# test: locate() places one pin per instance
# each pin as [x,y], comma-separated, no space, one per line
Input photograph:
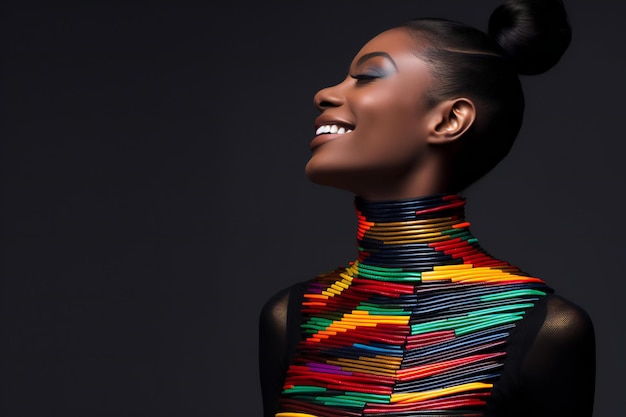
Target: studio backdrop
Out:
[153,196]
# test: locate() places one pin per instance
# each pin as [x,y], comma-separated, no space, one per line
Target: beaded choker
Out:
[417,325]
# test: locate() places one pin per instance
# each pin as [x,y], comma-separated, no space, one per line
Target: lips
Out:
[332,129]
[326,131]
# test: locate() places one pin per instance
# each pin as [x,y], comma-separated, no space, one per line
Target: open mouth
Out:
[329,130]
[332,129]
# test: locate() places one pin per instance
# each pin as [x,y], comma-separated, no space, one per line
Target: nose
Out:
[329,97]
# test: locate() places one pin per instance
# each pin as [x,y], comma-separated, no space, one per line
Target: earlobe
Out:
[453,119]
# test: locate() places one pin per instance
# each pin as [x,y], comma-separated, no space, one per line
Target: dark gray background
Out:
[153,193]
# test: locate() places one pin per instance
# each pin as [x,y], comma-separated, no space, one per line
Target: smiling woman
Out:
[383,104]
[425,321]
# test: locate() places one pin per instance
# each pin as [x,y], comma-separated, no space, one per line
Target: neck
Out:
[399,240]
[375,347]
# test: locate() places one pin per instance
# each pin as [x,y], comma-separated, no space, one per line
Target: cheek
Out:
[394,106]
[391,126]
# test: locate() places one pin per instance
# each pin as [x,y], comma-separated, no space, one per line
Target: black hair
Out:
[524,37]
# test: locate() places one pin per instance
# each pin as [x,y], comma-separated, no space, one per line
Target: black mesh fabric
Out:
[550,365]
[279,333]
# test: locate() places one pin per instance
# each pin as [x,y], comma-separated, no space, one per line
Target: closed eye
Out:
[363,78]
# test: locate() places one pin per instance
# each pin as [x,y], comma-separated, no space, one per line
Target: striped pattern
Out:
[417,324]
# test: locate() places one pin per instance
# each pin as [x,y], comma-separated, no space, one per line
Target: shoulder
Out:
[560,361]
[555,321]
[275,309]
[564,344]
[566,322]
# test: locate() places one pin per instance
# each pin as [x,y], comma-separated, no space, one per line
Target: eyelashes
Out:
[365,77]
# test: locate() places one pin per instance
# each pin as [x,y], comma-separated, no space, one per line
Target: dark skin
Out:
[399,146]
[377,137]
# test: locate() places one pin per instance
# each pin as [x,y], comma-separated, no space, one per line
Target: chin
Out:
[319,175]
[336,177]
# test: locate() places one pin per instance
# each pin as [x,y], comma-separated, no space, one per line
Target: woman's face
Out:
[373,127]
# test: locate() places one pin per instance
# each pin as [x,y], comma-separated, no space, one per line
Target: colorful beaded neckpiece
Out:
[417,325]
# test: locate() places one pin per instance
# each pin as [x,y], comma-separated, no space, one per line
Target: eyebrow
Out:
[375,54]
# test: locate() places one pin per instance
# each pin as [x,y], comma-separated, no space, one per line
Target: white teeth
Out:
[332,129]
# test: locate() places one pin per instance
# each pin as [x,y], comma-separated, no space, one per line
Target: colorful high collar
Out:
[418,323]
[416,235]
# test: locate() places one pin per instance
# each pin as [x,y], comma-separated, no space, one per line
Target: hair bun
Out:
[534,34]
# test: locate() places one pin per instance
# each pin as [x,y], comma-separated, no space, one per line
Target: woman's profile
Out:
[424,321]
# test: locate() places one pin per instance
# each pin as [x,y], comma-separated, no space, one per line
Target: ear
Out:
[452,119]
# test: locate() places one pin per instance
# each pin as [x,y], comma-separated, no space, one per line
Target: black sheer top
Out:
[549,370]
[424,323]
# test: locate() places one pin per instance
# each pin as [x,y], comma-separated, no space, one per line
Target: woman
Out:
[425,322]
